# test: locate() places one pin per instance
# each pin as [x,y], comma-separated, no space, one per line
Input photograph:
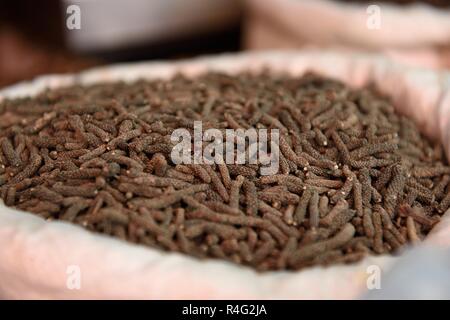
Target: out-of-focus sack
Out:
[416,34]
[39,259]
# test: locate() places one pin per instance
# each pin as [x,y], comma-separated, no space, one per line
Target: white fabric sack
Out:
[417,34]
[38,259]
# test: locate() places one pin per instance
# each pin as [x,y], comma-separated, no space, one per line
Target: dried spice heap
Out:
[355,177]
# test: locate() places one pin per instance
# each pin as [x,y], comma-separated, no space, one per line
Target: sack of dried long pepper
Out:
[110,215]
[414,32]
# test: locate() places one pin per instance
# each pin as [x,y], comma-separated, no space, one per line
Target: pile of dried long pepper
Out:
[355,177]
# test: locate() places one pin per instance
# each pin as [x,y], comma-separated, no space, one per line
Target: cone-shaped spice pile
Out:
[355,178]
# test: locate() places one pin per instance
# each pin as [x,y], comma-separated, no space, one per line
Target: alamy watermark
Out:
[373,281]
[73,280]
[73,20]
[373,21]
[229,146]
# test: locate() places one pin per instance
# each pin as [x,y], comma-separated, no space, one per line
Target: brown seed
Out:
[378,236]
[100,156]
[235,190]
[314,210]
[251,197]
[309,251]
[412,232]
[417,215]
[169,199]
[10,153]
[338,208]
[369,228]
[323,206]
[300,211]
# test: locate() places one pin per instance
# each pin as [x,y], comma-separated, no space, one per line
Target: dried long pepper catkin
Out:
[355,178]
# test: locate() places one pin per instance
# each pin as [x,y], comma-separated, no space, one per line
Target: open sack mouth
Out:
[354,177]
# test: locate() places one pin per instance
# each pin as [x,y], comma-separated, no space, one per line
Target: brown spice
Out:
[355,178]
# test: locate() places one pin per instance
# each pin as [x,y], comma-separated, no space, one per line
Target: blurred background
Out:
[50,36]
[35,38]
